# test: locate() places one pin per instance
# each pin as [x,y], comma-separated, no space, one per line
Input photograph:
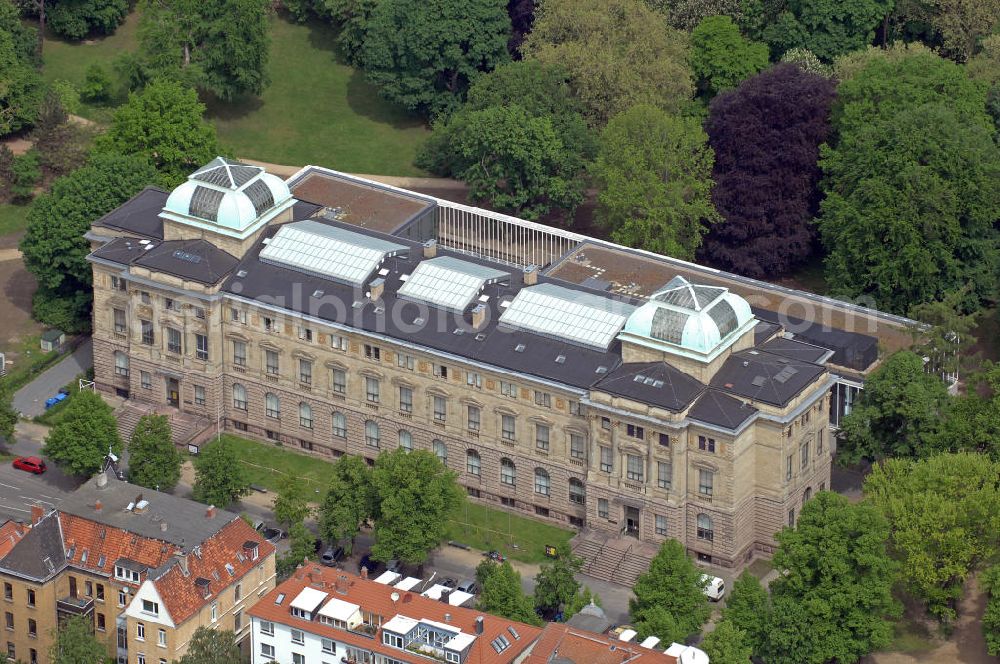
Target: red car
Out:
[30,464]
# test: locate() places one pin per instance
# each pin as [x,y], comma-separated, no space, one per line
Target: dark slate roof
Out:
[655,383]
[187,522]
[121,250]
[850,349]
[139,215]
[41,553]
[764,330]
[721,410]
[765,377]
[195,260]
[796,349]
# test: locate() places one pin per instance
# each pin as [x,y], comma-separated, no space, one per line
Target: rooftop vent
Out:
[480,337]
[519,348]
[241,273]
[317,293]
[560,359]
[601,370]
[758,381]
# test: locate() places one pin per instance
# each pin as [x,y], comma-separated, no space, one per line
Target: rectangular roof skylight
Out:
[448,282]
[327,251]
[567,314]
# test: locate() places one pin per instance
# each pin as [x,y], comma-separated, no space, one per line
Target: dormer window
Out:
[126,574]
[301,613]
[394,640]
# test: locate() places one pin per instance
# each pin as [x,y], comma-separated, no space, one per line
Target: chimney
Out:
[364,572]
[478,316]
[530,275]
[102,480]
[210,512]
[37,512]
[479,625]
[447,617]
[341,585]
[445,594]
[98,506]
[163,526]
[183,560]
[430,249]
[376,288]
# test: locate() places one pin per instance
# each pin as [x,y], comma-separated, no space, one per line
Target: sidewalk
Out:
[30,399]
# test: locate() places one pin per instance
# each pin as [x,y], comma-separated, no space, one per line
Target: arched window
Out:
[405,440]
[577,491]
[472,462]
[339,425]
[272,405]
[121,363]
[371,433]
[441,450]
[541,482]
[705,531]
[807,494]
[239,397]
[508,473]
[305,415]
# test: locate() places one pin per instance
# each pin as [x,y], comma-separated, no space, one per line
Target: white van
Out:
[715,588]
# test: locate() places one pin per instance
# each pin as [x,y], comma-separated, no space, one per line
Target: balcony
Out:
[74,606]
[271,378]
[633,487]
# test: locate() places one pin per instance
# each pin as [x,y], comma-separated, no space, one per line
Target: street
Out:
[30,399]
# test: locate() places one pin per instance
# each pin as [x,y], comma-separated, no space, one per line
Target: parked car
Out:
[468,586]
[447,582]
[272,535]
[715,588]
[332,556]
[30,464]
[374,567]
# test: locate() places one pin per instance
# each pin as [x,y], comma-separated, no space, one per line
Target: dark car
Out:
[374,567]
[332,556]
[468,586]
[272,535]
[447,582]
[30,464]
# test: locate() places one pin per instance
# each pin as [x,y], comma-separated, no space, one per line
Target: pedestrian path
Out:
[30,399]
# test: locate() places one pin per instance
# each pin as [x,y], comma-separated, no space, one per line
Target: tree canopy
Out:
[556,586]
[81,440]
[350,500]
[416,493]
[424,54]
[8,416]
[154,462]
[727,644]
[221,46]
[828,28]
[501,592]
[53,246]
[76,19]
[990,581]
[212,646]
[220,478]
[721,57]
[766,136]
[300,547]
[616,53]
[21,88]
[747,609]
[75,643]
[291,502]
[654,170]
[669,602]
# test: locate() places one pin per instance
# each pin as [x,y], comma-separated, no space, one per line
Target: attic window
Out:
[418,321]
[458,331]
[601,370]
[280,598]
[241,273]
[639,378]
[317,293]
[126,574]
[519,348]
[480,337]
[513,632]
[560,359]
[657,383]
[230,569]
[204,586]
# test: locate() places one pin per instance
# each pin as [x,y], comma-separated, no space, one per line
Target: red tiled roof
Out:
[11,533]
[566,643]
[179,592]
[92,543]
[377,598]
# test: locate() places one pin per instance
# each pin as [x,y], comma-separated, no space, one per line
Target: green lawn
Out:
[13,218]
[517,537]
[267,464]
[30,362]
[317,109]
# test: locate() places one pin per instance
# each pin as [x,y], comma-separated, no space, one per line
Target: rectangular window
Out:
[819,443]
[147,332]
[602,508]
[119,320]
[140,632]
[8,591]
[706,481]
[9,618]
[267,628]
[371,389]
[306,334]
[305,371]
[101,625]
[473,379]
[507,431]
[140,659]
[607,465]
[239,353]
[271,361]
[664,474]
[661,524]
[173,340]
[31,597]
[635,431]
[542,437]
[169,304]
[199,395]
[575,408]
[606,423]
[577,446]
[298,636]
[706,444]
[150,607]
[237,621]
[100,592]
[404,361]
[804,454]
[237,315]
[268,324]
[791,518]
[788,468]
[298,658]
[201,346]
[474,418]
[508,389]
[339,384]
[267,651]
[144,297]
[634,467]
[441,371]
[543,399]
[338,342]
[117,283]
[373,352]
[329,647]
[507,473]
[665,439]
[199,313]
[405,399]
[440,409]
[161,638]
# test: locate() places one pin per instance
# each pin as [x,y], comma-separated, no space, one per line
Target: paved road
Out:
[30,399]
[20,490]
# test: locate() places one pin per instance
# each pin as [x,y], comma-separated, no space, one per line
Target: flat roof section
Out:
[361,204]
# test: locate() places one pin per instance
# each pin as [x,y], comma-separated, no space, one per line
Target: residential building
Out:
[619,392]
[145,567]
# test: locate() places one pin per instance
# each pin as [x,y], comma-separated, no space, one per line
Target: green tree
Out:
[835,564]
[617,53]
[27,173]
[96,84]
[655,175]
[721,57]
[81,440]
[416,495]
[350,500]
[24,37]
[164,123]
[423,54]
[556,586]
[972,422]
[946,329]
[747,608]
[212,646]
[727,644]
[221,46]
[291,504]
[76,19]
[828,28]
[301,543]
[53,246]
[898,414]
[351,17]
[154,462]
[669,602]
[74,643]
[990,582]
[807,61]
[944,512]
[8,416]
[220,478]
[502,595]
[21,89]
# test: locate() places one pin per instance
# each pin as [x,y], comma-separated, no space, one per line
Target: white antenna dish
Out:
[394,597]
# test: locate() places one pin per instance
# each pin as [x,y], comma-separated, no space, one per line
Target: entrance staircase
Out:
[185,428]
[614,559]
